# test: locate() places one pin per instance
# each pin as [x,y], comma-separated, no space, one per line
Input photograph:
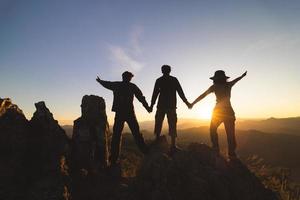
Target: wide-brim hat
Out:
[219,74]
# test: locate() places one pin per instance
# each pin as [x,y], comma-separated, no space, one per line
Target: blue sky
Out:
[53,51]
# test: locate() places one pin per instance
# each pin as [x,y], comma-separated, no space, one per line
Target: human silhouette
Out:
[124,92]
[223,111]
[166,88]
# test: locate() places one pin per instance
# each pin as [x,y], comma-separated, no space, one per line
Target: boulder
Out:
[197,173]
[50,143]
[33,154]
[90,136]
[14,141]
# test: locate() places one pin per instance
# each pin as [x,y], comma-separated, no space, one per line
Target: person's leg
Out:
[116,138]
[135,130]
[172,121]
[214,124]
[159,118]
[230,131]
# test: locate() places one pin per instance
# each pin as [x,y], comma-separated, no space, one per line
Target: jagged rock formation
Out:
[197,173]
[14,140]
[90,136]
[50,149]
[6,105]
[51,142]
[33,154]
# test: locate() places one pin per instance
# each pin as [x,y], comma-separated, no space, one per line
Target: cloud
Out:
[135,37]
[126,58]
[120,57]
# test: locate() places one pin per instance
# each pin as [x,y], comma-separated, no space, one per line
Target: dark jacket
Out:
[166,87]
[124,93]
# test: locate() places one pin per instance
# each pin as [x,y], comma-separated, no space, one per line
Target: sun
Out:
[204,111]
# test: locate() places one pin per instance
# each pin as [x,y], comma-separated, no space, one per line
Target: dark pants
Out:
[131,120]
[172,121]
[229,123]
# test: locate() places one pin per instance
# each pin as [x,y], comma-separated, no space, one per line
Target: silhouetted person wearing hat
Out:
[166,88]
[124,93]
[223,112]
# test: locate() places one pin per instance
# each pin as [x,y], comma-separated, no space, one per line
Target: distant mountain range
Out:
[272,125]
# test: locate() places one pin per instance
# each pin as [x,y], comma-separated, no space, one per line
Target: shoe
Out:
[174,149]
[216,150]
[115,170]
[232,156]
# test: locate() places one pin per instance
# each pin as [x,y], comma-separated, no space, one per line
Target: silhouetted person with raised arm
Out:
[223,111]
[166,88]
[124,92]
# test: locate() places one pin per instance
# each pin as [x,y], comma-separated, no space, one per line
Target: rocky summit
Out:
[36,156]
[33,154]
[196,173]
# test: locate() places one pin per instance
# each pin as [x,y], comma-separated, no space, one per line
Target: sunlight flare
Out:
[205,111]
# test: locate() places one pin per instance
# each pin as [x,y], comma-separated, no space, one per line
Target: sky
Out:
[52,51]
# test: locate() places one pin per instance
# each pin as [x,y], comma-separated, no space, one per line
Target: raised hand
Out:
[98,79]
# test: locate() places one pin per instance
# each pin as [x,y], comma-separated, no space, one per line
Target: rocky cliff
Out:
[34,154]
[196,173]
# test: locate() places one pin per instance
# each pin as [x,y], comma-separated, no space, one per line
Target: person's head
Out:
[166,69]
[219,77]
[127,76]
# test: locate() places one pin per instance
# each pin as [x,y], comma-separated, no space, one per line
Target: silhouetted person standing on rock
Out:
[166,88]
[223,111]
[124,93]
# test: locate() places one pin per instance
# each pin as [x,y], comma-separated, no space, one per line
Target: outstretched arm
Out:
[107,84]
[154,94]
[139,95]
[181,94]
[238,78]
[208,91]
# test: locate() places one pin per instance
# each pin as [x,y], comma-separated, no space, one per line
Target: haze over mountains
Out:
[271,125]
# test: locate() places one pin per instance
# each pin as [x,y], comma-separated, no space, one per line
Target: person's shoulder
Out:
[133,85]
[173,78]
[160,78]
[230,83]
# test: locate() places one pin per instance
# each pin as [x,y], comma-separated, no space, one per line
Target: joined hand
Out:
[149,109]
[189,105]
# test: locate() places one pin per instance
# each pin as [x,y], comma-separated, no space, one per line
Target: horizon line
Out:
[70,122]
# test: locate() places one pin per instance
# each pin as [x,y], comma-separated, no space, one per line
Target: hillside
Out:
[273,125]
